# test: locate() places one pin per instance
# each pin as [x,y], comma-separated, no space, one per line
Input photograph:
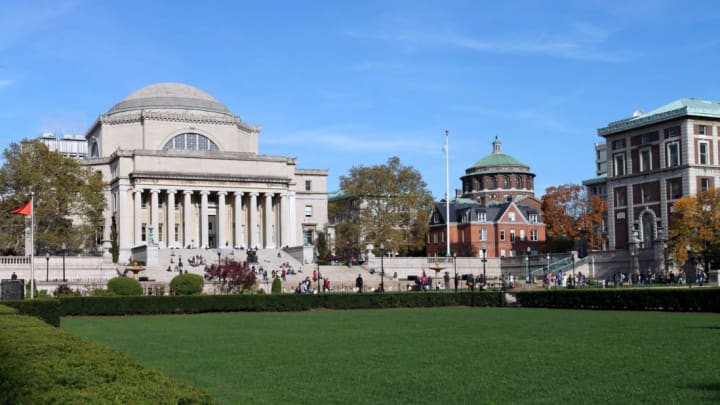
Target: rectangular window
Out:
[533,235]
[143,231]
[502,234]
[177,231]
[672,132]
[308,185]
[645,161]
[703,148]
[703,130]
[620,198]
[522,234]
[674,188]
[143,201]
[673,154]
[435,237]
[619,160]
[502,253]
[462,237]
[618,144]
[704,184]
[307,237]
[511,215]
[482,217]
[308,211]
[533,218]
[160,232]
[483,234]
[512,236]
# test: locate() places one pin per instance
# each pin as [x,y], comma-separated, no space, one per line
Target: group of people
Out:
[306,286]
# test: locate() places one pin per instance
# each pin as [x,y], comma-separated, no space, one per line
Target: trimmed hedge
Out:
[47,309]
[124,286]
[286,302]
[44,365]
[640,299]
[187,284]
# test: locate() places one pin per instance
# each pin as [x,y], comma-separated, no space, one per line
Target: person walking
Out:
[359,283]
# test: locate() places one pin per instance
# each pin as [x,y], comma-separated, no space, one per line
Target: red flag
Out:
[24,210]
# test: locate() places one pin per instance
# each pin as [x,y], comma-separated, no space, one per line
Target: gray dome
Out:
[170,96]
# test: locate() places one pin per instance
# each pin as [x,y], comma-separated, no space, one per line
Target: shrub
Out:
[277,286]
[125,286]
[64,290]
[47,309]
[43,365]
[187,284]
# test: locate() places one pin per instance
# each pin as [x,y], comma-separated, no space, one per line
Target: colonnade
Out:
[262,219]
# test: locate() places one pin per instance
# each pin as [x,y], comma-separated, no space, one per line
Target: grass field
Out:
[446,355]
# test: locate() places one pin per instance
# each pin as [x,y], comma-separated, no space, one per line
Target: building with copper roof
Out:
[496,210]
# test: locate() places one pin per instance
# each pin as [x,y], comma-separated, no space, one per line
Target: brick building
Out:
[496,210]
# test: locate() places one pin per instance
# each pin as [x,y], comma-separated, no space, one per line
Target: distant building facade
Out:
[654,159]
[496,210]
[72,146]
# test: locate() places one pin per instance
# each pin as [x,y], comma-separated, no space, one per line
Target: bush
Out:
[146,305]
[187,284]
[47,309]
[64,290]
[663,299]
[125,286]
[43,365]
[277,286]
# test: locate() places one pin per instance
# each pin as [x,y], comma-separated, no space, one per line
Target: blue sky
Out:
[339,84]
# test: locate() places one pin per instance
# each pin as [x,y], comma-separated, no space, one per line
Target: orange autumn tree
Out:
[570,214]
[695,223]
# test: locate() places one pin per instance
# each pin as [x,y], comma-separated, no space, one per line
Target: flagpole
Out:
[32,245]
[447,194]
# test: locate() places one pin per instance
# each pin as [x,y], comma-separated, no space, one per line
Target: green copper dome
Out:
[497,158]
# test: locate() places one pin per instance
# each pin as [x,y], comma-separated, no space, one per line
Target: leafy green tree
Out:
[69,199]
[387,204]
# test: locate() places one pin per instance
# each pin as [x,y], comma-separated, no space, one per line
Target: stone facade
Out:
[183,171]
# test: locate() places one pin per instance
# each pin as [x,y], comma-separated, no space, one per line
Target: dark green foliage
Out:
[43,365]
[114,245]
[124,286]
[276,286]
[664,299]
[284,302]
[65,290]
[5,310]
[47,309]
[187,284]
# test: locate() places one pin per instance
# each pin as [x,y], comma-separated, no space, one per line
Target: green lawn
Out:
[445,355]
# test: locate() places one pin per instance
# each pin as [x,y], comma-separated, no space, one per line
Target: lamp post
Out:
[527,264]
[548,262]
[47,266]
[484,260]
[218,257]
[455,268]
[382,268]
[689,273]
[572,258]
[64,252]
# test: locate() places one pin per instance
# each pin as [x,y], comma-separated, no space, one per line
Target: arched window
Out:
[94,150]
[506,182]
[519,182]
[190,141]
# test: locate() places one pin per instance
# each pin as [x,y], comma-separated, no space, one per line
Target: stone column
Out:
[221,238]
[204,218]
[171,241]
[252,225]
[293,220]
[284,221]
[124,221]
[154,217]
[238,229]
[187,237]
[269,243]
[138,215]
